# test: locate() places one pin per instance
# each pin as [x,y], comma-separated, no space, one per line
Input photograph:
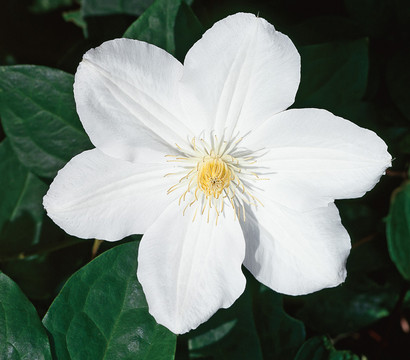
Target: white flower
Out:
[203,159]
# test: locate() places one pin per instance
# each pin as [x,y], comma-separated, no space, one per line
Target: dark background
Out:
[30,36]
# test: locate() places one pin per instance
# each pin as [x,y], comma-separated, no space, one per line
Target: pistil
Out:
[213,176]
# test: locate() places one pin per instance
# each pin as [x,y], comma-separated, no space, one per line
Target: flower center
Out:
[213,176]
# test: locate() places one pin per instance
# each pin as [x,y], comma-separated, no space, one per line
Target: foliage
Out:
[101,313]
[21,333]
[355,60]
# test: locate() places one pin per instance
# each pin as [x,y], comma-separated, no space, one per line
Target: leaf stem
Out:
[395,173]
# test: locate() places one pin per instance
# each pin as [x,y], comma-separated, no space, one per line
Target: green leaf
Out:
[398,229]
[188,30]
[22,335]
[168,24]
[39,117]
[362,304]
[280,335]
[369,294]
[320,348]
[101,313]
[27,235]
[404,144]
[333,74]
[111,7]
[21,211]
[358,218]
[40,6]
[76,17]
[229,334]
[156,25]
[398,82]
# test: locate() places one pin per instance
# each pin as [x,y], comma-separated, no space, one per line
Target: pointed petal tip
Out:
[179,325]
[338,279]
[299,252]
[240,73]
[324,155]
[126,96]
[192,272]
[173,324]
[96,196]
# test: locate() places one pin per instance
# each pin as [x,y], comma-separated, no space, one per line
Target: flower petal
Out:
[96,196]
[239,74]
[189,269]
[127,99]
[296,253]
[317,157]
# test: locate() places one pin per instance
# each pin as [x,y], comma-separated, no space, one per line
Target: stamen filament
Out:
[212,175]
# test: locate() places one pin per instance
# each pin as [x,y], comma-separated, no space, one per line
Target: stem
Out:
[394,173]
[364,240]
[95,248]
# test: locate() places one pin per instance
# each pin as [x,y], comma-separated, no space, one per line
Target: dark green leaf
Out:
[370,293]
[398,82]
[404,144]
[168,24]
[156,25]
[27,236]
[358,218]
[22,335]
[398,229]
[320,348]
[21,210]
[49,5]
[229,334]
[362,303]
[76,17]
[101,313]
[39,117]
[333,74]
[280,335]
[314,349]
[111,7]
[188,30]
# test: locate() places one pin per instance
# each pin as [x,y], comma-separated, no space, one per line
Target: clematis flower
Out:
[204,160]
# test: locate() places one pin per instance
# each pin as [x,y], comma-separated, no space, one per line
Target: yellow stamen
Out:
[213,177]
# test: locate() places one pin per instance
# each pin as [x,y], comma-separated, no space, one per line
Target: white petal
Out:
[126,96]
[96,196]
[296,253]
[315,157]
[240,73]
[189,269]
